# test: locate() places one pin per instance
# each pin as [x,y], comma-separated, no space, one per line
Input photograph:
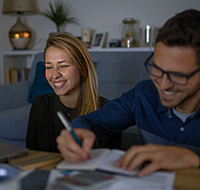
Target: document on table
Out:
[104,159]
[154,181]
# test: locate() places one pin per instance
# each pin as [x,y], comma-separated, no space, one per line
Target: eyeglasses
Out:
[175,77]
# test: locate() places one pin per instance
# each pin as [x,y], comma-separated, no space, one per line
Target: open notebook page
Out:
[102,159]
[107,164]
[97,156]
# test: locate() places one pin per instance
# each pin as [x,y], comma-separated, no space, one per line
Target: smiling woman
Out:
[71,73]
[63,76]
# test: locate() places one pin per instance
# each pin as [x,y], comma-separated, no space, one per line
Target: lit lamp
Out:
[19,35]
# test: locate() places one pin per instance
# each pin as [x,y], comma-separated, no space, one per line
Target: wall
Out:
[100,15]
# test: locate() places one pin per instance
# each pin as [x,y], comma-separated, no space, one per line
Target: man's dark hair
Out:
[182,30]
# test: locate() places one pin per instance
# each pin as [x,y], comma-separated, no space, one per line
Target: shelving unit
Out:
[19,59]
[23,58]
[133,49]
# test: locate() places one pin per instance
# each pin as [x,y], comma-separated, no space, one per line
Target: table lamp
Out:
[19,34]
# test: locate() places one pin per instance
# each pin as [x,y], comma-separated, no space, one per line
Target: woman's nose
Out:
[56,73]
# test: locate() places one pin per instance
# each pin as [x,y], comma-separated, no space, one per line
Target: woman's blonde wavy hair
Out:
[78,53]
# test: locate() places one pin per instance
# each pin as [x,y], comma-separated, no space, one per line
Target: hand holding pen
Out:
[68,126]
[67,148]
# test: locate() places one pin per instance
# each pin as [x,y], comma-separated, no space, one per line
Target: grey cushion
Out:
[38,57]
[118,72]
[14,123]
[14,95]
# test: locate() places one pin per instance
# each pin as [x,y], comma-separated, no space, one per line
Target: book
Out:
[13,75]
[24,74]
[17,75]
[36,160]
[102,159]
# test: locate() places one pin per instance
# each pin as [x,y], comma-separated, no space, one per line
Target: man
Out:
[165,108]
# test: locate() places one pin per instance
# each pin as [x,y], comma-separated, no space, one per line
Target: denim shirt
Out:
[156,123]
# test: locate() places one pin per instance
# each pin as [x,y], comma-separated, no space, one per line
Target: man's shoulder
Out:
[142,87]
[144,90]
[145,85]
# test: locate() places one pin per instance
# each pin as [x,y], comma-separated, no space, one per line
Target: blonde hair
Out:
[76,50]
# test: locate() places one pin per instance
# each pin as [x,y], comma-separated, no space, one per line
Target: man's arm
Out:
[114,116]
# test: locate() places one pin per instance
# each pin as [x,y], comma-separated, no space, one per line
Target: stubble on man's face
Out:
[182,60]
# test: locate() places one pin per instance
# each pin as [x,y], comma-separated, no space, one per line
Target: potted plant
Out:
[59,13]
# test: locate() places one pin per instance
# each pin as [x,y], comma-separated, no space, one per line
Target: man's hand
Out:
[160,157]
[70,150]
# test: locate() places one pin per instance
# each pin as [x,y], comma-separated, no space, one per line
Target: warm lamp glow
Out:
[26,35]
[16,35]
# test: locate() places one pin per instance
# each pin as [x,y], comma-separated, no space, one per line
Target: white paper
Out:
[154,181]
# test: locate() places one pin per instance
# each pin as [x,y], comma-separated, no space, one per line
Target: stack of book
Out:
[17,75]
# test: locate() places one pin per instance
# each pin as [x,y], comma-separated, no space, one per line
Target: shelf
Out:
[21,52]
[16,58]
[133,49]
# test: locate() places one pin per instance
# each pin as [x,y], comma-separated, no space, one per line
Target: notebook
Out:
[11,151]
[101,159]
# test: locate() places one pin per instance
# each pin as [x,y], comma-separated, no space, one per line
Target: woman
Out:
[71,73]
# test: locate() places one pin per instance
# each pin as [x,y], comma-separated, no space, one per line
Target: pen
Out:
[68,126]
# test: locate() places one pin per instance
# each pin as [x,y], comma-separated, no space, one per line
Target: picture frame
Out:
[98,40]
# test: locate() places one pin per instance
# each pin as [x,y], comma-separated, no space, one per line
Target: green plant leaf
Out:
[59,14]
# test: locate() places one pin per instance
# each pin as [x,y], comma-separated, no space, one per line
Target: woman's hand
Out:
[69,148]
[159,156]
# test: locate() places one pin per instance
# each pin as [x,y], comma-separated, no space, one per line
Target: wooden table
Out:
[186,179]
[36,159]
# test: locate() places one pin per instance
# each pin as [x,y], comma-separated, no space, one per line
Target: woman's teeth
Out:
[58,84]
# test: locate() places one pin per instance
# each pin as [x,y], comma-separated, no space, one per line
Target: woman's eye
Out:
[63,66]
[49,67]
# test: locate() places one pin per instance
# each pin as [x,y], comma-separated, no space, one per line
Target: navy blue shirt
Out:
[156,123]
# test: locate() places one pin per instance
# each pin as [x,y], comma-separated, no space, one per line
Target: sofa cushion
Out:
[119,72]
[40,84]
[14,95]
[14,124]
[38,57]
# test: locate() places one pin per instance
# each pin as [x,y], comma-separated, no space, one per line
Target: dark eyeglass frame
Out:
[146,63]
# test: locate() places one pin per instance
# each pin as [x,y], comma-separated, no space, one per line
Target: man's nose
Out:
[165,82]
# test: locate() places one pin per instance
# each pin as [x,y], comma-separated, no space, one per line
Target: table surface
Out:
[186,179]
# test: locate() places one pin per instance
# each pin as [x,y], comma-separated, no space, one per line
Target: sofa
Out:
[118,71]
